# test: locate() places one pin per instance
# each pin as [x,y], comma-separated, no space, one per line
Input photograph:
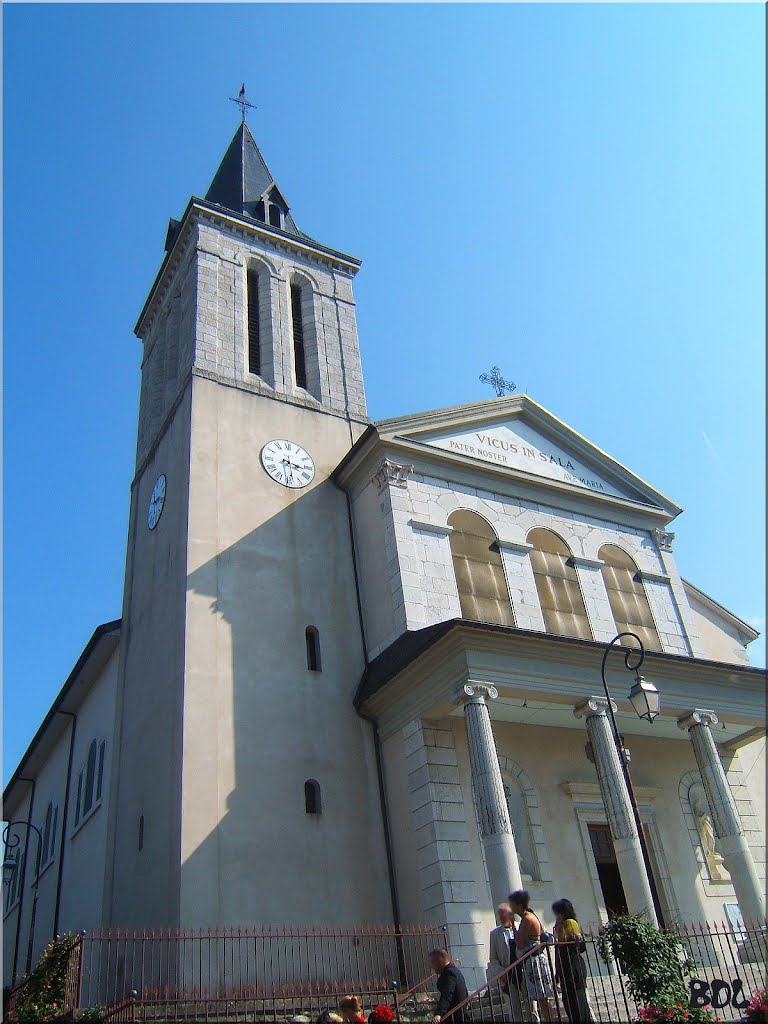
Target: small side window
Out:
[312,799]
[313,649]
[141,832]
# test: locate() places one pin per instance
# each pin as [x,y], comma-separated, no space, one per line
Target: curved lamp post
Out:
[646,700]
[11,864]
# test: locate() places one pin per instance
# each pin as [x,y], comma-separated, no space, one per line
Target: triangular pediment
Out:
[517,436]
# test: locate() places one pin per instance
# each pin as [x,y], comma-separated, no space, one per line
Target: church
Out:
[357,676]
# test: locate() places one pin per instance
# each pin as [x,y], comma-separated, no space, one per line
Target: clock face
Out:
[156,502]
[288,463]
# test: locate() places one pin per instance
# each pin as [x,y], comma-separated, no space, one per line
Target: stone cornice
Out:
[587,563]
[515,546]
[428,527]
[653,577]
[589,792]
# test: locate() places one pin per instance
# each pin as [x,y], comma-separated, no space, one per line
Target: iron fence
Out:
[257,966]
[277,974]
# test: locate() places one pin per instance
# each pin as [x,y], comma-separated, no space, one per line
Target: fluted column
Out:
[618,807]
[488,789]
[726,822]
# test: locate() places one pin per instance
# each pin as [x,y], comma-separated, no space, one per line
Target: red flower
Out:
[381,1014]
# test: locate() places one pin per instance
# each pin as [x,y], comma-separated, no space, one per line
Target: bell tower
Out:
[243,638]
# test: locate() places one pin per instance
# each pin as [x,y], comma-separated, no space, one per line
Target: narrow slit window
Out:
[312,800]
[54,828]
[254,327]
[275,216]
[79,801]
[100,776]
[299,361]
[141,832]
[90,777]
[313,649]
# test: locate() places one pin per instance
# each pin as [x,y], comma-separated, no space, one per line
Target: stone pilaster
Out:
[618,807]
[448,886]
[726,822]
[488,789]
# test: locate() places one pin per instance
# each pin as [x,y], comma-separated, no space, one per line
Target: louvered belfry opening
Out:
[299,361]
[483,593]
[254,327]
[558,586]
[626,593]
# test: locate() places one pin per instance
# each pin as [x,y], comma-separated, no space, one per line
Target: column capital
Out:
[593,706]
[699,716]
[392,473]
[475,691]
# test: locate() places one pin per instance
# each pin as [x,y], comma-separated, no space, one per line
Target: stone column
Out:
[729,830]
[488,789]
[618,807]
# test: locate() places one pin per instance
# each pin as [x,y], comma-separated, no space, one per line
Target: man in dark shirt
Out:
[450,985]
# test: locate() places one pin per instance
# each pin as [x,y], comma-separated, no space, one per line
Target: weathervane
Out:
[497,382]
[242,102]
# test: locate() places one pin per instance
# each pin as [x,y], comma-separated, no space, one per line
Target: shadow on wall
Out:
[260,722]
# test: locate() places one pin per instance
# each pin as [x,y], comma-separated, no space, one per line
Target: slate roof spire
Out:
[244,185]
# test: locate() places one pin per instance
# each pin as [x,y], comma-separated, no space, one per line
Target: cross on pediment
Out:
[501,386]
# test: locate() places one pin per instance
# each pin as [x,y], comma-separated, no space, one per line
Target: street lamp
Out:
[646,701]
[11,863]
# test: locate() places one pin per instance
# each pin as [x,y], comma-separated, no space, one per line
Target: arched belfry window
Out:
[254,325]
[558,586]
[313,649]
[626,593]
[297,319]
[312,799]
[483,593]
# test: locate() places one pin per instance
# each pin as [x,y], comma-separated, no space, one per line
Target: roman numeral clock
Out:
[288,463]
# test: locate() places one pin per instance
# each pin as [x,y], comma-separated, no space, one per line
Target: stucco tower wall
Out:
[266,562]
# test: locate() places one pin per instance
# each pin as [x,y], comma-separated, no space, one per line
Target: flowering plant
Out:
[757,1011]
[42,995]
[381,1014]
[679,1013]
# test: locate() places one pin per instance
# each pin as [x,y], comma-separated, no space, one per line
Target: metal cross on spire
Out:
[497,382]
[242,102]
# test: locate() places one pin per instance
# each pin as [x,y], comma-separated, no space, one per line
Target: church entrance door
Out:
[607,870]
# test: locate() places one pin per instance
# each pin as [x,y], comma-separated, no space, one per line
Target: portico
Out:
[453,853]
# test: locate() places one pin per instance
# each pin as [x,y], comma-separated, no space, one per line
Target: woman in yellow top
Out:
[571,971]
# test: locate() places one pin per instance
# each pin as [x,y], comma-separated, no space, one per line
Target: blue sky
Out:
[573,192]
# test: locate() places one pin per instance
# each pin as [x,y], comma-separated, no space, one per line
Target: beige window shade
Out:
[483,592]
[558,586]
[629,604]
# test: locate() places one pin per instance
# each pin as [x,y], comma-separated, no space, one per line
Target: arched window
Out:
[297,317]
[44,856]
[13,889]
[90,777]
[558,586]
[483,593]
[312,799]
[79,801]
[254,327]
[626,593]
[313,649]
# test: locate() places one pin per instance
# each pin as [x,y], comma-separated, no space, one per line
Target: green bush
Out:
[655,965]
[42,996]
[653,961]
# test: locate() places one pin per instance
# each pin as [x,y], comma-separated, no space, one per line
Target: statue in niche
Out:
[698,801]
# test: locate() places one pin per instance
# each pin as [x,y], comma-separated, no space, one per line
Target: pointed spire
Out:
[244,184]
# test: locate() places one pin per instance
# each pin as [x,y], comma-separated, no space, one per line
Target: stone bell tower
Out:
[241,758]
